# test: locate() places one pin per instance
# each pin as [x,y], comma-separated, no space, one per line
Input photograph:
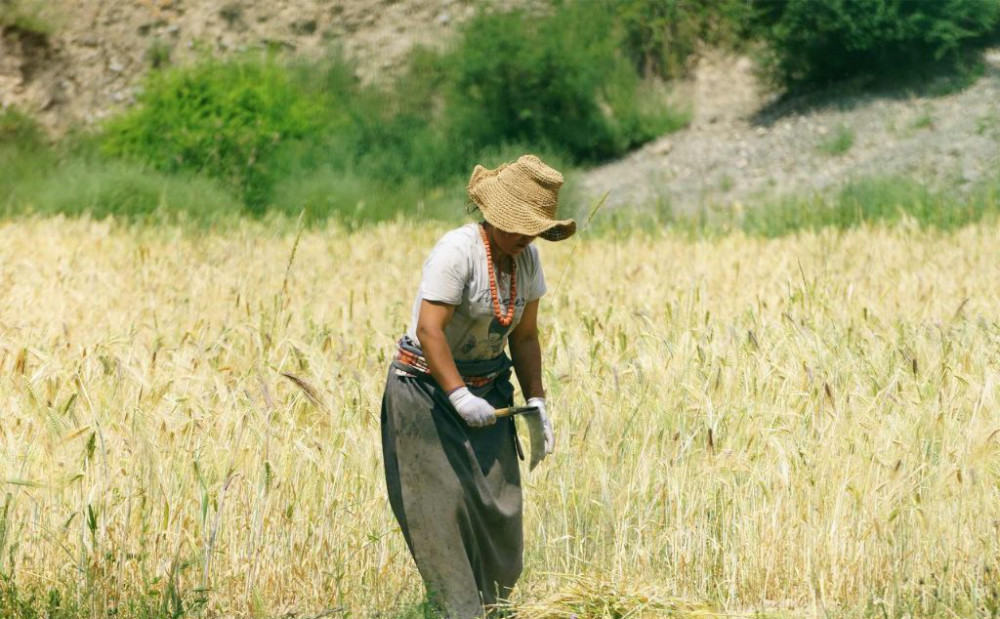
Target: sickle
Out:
[515,410]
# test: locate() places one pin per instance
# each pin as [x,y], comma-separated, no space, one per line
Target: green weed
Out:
[924,121]
[660,36]
[839,143]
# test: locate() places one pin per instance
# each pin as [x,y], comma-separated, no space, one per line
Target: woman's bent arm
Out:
[433,318]
[526,353]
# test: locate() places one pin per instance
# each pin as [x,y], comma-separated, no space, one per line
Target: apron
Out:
[455,490]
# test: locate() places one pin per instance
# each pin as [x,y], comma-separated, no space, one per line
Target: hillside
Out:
[91,64]
[744,143]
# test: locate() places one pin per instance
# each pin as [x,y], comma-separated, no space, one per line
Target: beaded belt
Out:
[419,363]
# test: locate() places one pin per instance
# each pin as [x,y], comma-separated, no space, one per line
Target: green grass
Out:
[839,143]
[924,121]
[125,190]
[860,202]
[988,124]
[872,200]
[160,601]
[38,179]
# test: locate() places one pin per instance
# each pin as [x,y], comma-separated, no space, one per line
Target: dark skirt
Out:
[455,491]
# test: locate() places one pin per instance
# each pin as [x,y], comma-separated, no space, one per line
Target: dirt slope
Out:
[739,145]
[90,66]
[742,144]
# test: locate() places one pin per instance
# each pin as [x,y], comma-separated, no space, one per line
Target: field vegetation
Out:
[579,82]
[874,41]
[783,408]
[277,134]
[794,425]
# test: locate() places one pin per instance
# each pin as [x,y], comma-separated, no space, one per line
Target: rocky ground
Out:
[91,64]
[742,142]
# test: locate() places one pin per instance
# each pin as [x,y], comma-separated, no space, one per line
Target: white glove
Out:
[476,411]
[543,441]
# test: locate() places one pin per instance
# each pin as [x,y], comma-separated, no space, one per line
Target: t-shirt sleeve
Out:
[445,273]
[536,286]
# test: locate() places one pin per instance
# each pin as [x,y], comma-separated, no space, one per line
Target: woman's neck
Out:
[501,261]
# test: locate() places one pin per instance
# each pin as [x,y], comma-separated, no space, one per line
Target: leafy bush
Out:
[819,42]
[555,80]
[280,135]
[36,177]
[659,36]
[222,119]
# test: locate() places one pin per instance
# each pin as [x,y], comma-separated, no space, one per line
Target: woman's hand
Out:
[476,411]
[543,441]
[527,356]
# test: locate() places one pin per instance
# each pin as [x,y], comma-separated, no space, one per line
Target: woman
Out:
[450,464]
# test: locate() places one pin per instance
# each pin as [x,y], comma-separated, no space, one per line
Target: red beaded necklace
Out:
[504,320]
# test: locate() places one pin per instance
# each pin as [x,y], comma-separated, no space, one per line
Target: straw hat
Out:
[521,197]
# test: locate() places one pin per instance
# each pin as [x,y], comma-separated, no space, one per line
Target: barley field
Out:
[800,426]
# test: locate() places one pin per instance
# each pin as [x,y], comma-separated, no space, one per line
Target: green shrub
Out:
[553,80]
[158,53]
[221,119]
[819,42]
[308,135]
[354,199]
[254,123]
[659,36]
[400,142]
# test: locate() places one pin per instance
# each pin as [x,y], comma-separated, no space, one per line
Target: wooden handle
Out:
[514,410]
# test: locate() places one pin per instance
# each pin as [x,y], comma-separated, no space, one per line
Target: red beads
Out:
[504,320]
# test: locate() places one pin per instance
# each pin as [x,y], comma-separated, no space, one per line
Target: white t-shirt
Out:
[456,273]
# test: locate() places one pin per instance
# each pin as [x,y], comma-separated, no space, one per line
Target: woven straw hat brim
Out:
[521,197]
[529,224]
